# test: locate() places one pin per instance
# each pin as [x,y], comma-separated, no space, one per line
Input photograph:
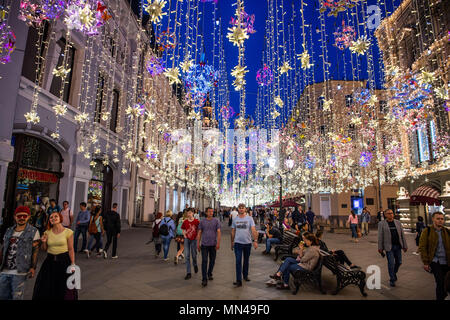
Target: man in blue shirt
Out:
[53,208]
[310,219]
[82,224]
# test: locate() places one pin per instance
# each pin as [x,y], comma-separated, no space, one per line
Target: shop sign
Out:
[37,176]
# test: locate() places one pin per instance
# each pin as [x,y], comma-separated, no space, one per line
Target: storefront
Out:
[33,175]
[100,186]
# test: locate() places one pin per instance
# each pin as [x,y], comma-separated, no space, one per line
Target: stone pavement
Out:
[138,275]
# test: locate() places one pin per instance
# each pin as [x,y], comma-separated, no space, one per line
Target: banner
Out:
[37,176]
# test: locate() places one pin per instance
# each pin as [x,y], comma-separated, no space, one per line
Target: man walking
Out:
[273,236]
[365,219]
[18,257]
[242,230]
[434,248]
[67,215]
[310,219]
[208,241]
[391,238]
[111,223]
[81,227]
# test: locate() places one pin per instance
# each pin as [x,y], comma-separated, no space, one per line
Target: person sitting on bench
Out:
[306,260]
[273,236]
[340,255]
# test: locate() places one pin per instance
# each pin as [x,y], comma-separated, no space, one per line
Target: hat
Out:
[22,209]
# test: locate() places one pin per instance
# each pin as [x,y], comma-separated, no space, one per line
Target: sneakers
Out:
[87,252]
[114,257]
[166,259]
[283,287]
[275,276]
[204,283]
[105,255]
[188,276]
[176,260]
[247,279]
[238,284]
[415,253]
[182,256]
[100,250]
[392,283]
[195,269]
[210,277]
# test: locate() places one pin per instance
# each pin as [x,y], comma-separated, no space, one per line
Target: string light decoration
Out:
[336,6]
[155,66]
[87,16]
[244,21]
[155,9]
[264,76]
[166,40]
[7,42]
[344,36]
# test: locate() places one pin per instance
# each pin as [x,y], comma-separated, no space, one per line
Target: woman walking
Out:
[51,282]
[96,230]
[167,232]
[419,228]
[180,237]
[353,221]
[155,234]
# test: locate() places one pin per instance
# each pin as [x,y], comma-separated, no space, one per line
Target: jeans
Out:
[12,286]
[269,242]
[439,271]
[80,229]
[394,258]
[111,237]
[166,244]
[211,252]
[365,228]
[289,265]
[190,248]
[353,226]
[310,226]
[157,245]
[239,250]
[98,241]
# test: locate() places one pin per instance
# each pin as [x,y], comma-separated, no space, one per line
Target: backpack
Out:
[156,230]
[164,229]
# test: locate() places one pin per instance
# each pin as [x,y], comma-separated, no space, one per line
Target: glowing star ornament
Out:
[60,110]
[82,118]
[237,35]
[87,155]
[372,100]
[32,117]
[124,171]
[55,135]
[441,93]
[275,114]
[240,122]
[173,74]
[149,116]
[94,139]
[356,121]
[135,110]
[278,101]
[105,116]
[87,16]
[327,104]
[61,72]
[194,115]
[155,9]
[427,77]
[285,68]
[305,60]
[186,65]
[80,149]
[360,46]
[238,73]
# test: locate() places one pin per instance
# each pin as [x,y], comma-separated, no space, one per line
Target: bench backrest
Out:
[288,238]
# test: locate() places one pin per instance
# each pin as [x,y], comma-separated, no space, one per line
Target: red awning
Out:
[425,195]
[286,203]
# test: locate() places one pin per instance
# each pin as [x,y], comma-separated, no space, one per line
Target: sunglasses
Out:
[22,216]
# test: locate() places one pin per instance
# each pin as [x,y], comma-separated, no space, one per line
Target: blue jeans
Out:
[166,244]
[190,248]
[80,229]
[289,265]
[269,242]
[12,286]
[211,252]
[394,258]
[353,226]
[240,249]
[98,242]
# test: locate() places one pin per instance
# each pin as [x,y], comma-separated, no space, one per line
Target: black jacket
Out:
[111,222]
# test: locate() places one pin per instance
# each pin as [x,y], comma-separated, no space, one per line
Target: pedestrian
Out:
[167,232]
[233,215]
[196,215]
[180,236]
[380,215]
[420,225]
[155,234]
[273,236]
[190,227]
[353,221]
[51,282]
[365,219]
[18,256]
[302,216]
[208,242]
[310,216]
[67,215]
[287,223]
[96,231]
[434,248]
[391,238]
[112,226]
[81,227]
[151,219]
[306,260]
[53,208]
[92,237]
[261,217]
[40,220]
[242,230]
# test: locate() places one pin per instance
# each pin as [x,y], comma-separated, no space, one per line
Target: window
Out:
[29,61]
[383,106]
[424,151]
[348,100]
[320,103]
[369,202]
[322,129]
[99,97]
[68,62]
[433,136]
[114,110]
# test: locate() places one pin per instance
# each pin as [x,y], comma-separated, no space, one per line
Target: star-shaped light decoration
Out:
[115,152]
[97,150]
[150,116]
[186,65]
[105,162]
[238,73]
[305,60]
[93,163]
[105,116]
[327,104]
[442,93]
[124,171]
[94,139]
[87,16]
[173,74]
[427,77]
[275,114]
[194,115]
[134,111]
[237,35]
[285,67]
[87,155]
[155,10]
[80,149]
[61,71]
[82,118]
[60,110]
[32,117]
[278,101]
[372,100]
[55,135]
[360,46]
[240,122]
[115,159]
[356,121]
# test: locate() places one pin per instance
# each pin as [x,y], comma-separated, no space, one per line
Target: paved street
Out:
[138,275]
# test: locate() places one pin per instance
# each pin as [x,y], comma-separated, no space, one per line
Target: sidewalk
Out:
[138,275]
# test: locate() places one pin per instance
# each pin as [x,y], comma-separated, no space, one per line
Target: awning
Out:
[286,203]
[425,195]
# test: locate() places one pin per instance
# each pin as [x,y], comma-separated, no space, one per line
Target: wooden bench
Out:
[344,275]
[289,241]
[314,277]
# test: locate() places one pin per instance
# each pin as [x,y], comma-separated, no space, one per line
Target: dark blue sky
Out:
[254,46]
